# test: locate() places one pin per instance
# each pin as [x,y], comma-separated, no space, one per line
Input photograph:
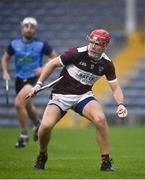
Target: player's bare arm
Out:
[47,70]
[117,92]
[118,96]
[5,60]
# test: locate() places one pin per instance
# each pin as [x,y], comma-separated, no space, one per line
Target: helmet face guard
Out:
[100,36]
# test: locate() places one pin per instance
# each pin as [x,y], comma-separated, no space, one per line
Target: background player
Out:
[28,52]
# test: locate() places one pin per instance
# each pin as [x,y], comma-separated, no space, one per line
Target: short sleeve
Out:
[110,72]
[69,56]
[47,49]
[10,49]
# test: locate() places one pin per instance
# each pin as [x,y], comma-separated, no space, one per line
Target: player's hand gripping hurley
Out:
[44,87]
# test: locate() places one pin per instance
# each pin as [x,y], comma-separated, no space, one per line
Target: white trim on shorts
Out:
[66,102]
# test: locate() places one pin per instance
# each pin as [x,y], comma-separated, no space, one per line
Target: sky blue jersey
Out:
[28,56]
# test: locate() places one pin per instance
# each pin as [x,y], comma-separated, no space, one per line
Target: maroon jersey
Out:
[80,71]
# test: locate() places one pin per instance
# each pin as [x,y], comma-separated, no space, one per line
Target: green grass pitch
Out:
[73,154]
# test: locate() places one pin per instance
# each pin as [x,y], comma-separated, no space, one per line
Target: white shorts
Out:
[76,102]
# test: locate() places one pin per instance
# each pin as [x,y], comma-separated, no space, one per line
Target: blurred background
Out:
[66,23]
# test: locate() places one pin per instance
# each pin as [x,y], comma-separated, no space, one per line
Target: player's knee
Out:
[46,127]
[100,120]
[18,104]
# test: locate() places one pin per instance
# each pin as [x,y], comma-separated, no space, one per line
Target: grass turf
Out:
[73,154]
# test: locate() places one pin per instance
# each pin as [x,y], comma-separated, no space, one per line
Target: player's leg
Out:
[51,116]
[92,110]
[22,115]
[31,108]
[32,111]
[33,114]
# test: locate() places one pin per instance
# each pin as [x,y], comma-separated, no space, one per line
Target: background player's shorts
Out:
[20,83]
[76,102]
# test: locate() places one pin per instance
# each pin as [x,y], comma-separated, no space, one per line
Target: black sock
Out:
[105,157]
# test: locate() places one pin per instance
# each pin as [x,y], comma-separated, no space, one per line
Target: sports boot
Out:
[40,162]
[106,165]
[22,141]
